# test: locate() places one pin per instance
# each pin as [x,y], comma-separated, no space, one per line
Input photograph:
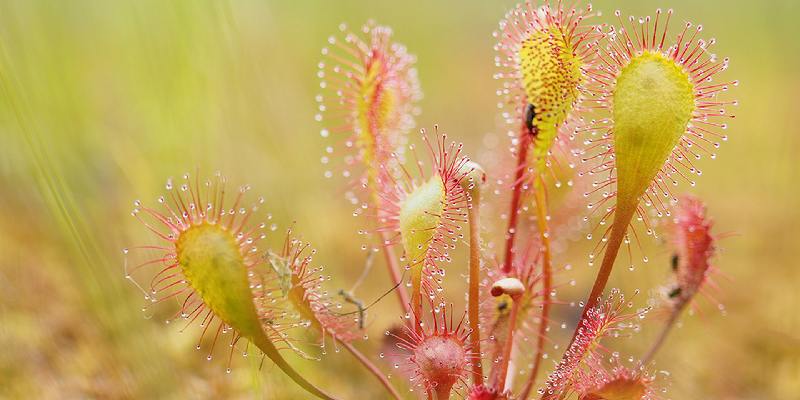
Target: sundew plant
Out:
[606,116]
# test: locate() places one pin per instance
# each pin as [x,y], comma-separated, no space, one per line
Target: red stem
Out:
[372,369]
[516,196]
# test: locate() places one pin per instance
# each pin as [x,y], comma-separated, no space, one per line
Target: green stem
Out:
[265,345]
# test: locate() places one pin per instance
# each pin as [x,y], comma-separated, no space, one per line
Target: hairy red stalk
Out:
[516,195]
[474,287]
[394,272]
[372,369]
[547,282]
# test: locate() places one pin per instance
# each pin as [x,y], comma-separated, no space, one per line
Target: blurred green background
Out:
[100,102]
